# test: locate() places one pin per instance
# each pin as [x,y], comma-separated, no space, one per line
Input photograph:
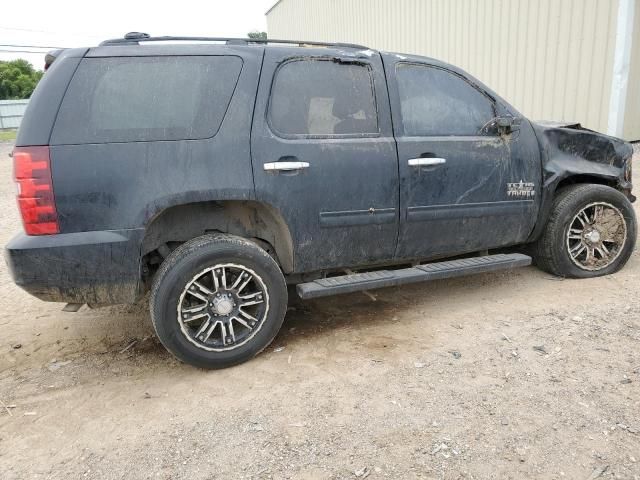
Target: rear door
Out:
[464,185]
[324,155]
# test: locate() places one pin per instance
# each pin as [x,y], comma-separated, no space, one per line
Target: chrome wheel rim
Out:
[596,236]
[223,307]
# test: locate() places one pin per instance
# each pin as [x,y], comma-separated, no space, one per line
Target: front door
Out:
[465,186]
[324,155]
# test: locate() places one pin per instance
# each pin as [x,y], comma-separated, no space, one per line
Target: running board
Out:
[422,273]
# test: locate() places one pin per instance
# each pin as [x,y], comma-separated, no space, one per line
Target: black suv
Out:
[214,172]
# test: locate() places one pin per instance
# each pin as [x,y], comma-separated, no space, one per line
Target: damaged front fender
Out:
[574,150]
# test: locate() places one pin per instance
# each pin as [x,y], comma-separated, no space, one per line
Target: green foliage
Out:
[18,78]
[257,35]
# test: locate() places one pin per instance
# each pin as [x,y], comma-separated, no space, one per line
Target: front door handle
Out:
[285,166]
[425,162]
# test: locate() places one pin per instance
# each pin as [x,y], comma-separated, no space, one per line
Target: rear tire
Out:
[218,300]
[591,232]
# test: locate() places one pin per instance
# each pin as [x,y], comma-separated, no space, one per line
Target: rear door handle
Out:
[425,162]
[285,166]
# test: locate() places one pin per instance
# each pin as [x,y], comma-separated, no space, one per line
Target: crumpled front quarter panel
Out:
[578,151]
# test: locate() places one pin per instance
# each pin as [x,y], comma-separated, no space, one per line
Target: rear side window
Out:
[125,99]
[437,102]
[322,97]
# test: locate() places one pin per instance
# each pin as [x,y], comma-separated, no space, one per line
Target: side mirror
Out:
[507,124]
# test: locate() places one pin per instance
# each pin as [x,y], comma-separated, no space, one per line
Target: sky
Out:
[67,23]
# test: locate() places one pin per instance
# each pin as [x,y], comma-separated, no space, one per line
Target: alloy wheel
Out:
[223,307]
[596,236]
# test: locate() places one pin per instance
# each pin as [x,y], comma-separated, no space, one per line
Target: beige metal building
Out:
[574,60]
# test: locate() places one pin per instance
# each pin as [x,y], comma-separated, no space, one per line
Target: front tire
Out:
[218,300]
[591,232]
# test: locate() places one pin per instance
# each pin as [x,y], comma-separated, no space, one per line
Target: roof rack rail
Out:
[135,38]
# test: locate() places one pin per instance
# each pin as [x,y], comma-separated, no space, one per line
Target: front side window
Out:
[437,102]
[124,99]
[323,97]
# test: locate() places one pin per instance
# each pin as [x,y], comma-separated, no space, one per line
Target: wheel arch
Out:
[252,220]
[558,182]
[598,179]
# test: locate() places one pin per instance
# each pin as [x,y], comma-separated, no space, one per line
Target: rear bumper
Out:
[100,267]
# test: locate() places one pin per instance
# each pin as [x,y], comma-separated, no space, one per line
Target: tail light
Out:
[32,172]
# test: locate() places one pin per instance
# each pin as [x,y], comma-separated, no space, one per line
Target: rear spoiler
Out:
[50,57]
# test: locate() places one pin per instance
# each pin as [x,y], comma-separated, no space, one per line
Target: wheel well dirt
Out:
[247,219]
[587,178]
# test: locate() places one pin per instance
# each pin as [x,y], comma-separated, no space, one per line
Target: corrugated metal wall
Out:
[11,112]
[632,111]
[552,59]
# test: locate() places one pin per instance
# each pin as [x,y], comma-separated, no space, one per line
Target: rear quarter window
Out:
[126,99]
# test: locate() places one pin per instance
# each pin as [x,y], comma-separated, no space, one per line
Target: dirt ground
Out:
[509,375]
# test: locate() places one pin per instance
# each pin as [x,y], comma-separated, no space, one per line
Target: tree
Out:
[255,35]
[18,79]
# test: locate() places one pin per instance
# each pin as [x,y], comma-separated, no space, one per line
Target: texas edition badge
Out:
[521,189]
